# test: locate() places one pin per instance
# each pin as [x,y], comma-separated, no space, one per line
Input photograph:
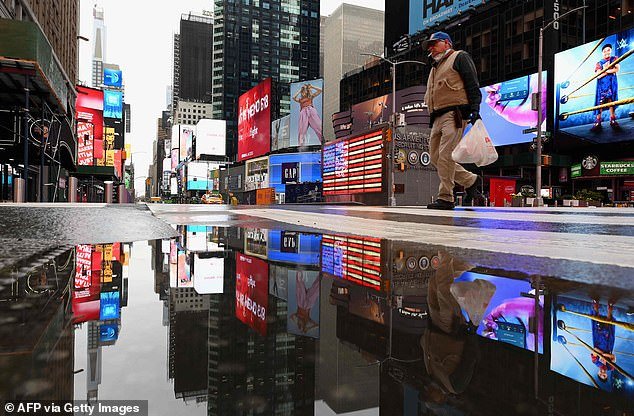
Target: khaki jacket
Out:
[445,87]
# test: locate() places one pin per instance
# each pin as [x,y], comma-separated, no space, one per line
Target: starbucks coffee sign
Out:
[617,168]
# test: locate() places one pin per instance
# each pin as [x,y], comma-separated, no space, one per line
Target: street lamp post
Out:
[390,145]
[538,171]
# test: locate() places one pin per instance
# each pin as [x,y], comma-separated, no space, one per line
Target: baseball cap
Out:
[436,37]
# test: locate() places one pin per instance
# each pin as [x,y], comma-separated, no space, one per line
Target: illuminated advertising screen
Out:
[353,165]
[108,332]
[89,114]
[196,238]
[593,342]
[427,13]
[294,168]
[167,164]
[119,131]
[186,142]
[294,247]
[257,174]
[593,89]
[209,274]
[184,269]
[109,306]
[254,121]
[85,143]
[84,311]
[112,104]
[506,109]
[303,303]
[306,113]
[174,158]
[281,133]
[252,294]
[508,313]
[112,77]
[356,259]
[197,176]
[211,138]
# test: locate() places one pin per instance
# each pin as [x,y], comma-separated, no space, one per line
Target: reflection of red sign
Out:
[83,266]
[254,121]
[357,259]
[252,291]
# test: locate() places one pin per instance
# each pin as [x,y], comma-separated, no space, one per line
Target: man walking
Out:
[453,99]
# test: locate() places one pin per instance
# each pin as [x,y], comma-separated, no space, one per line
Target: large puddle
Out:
[236,321]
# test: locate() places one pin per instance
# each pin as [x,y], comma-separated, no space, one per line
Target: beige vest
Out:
[445,87]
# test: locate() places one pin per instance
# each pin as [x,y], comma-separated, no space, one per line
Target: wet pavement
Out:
[242,314]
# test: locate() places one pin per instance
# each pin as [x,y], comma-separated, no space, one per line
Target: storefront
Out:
[613,180]
[296,177]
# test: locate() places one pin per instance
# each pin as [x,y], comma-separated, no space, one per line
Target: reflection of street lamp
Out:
[538,172]
[390,146]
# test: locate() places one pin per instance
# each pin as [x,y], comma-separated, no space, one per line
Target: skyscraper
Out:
[195,48]
[252,42]
[349,32]
[99,46]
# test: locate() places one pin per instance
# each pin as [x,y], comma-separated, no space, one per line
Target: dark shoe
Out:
[441,204]
[473,193]
[615,126]
[596,127]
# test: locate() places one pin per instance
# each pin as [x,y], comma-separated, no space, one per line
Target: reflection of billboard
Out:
[281,133]
[254,121]
[112,104]
[586,90]
[211,138]
[197,174]
[83,266]
[508,313]
[108,332]
[427,13]
[112,77]
[506,109]
[252,295]
[109,305]
[357,259]
[209,275]
[294,247]
[256,242]
[353,165]
[196,238]
[593,343]
[184,270]
[278,281]
[303,303]
[306,113]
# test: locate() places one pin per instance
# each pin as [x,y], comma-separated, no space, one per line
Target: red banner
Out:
[252,291]
[89,116]
[254,121]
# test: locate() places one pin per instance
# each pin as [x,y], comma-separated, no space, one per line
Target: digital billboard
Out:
[112,104]
[209,275]
[303,303]
[281,133]
[593,89]
[174,158]
[89,114]
[306,113]
[184,269]
[593,342]
[257,174]
[108,332]
[85,143]
[427,13]
[506,109]
[290,168]
[508,313]
[252,292]
[112,77]
[197,176]
[294,247]
[211,138]
[356,259]
[353,165]
[186,142]
[254,121]
[109,306]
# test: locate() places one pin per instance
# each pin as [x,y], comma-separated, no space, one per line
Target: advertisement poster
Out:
[303,303]
[112,104]
[186,142]
[112,77]
[85,139]
[593,343]
[254,121]
[506,109]
[90,111]
[306,113]
[508,312]
[252,294]
[109,306]
[281,133]
[593,89]
[426,13]
[211,138]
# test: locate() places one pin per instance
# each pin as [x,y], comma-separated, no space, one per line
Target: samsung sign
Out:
[426,13]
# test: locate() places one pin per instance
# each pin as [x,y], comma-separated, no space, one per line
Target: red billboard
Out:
[252,291]
[89,116]
[254,121]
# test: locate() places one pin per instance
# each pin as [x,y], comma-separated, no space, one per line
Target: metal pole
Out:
[391,143]
[538,169]
[25,136]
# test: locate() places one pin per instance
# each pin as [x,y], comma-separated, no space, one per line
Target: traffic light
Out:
[547,160]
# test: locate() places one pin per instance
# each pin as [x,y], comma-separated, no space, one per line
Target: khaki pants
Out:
[445,136]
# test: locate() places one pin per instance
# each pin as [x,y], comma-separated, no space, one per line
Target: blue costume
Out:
[603,337]
[607,86]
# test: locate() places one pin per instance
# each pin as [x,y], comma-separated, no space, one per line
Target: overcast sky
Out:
[139,40]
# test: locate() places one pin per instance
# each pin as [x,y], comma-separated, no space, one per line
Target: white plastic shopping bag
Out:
[475,147]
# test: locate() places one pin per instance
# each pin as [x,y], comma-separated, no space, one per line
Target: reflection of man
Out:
[453,98]
[607,88]
[603,337]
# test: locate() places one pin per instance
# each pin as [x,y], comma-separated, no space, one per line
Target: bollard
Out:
[123,194]
[73,183]
[107,191]
[18,190]
[459,200]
